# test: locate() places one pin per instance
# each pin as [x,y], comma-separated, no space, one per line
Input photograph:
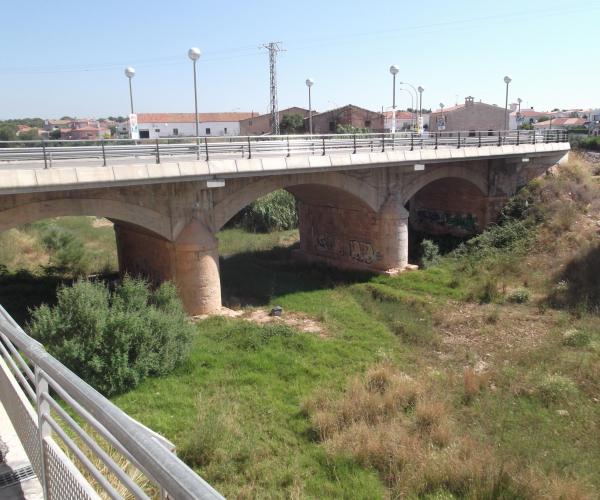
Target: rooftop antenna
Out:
[273,48]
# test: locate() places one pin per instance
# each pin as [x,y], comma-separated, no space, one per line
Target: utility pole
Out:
[273,48]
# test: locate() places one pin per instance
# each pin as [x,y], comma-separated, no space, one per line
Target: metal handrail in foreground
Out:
[31,380]
[207,148]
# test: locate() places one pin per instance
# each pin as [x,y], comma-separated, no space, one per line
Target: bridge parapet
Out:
[32,383]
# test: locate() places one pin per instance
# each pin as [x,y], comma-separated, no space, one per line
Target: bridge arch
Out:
[475,176]
[360,191]
[145,218]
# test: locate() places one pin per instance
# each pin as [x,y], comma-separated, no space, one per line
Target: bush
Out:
[67,252]
[114,340]
[519,296]
[430,254]
[274,212]
[576,338]
[556,389]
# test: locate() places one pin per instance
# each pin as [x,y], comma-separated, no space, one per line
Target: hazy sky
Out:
[67,57]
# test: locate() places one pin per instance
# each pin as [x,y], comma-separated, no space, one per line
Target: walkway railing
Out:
[207,148]
[81,446]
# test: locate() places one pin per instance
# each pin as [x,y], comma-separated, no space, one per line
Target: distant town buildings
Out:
[262,124]
[154,125]
[473,116]
[350,115]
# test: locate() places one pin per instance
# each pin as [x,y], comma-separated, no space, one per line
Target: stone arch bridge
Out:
[354,207]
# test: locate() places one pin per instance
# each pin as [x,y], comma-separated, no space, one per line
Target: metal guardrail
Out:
[46,401]
[207,148]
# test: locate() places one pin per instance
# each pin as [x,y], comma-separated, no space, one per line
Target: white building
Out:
[154,125]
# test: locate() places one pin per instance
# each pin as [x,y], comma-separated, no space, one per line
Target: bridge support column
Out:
[355,237]
[191,261]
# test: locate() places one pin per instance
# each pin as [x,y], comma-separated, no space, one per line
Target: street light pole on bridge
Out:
[394,71]
[507,80]
[194,54]
[309,83]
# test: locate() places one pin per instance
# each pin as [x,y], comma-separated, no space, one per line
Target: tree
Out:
[543,118]
[30,135]
[292,124]
[8,132]
[351,129]
[55,134]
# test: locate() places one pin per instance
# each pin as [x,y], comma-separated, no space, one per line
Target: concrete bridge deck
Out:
[355,196]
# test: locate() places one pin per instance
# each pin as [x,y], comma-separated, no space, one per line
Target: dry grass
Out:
[403,428]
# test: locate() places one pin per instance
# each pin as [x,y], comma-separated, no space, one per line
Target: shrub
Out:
[576,338]
[273,212]
[430,254]
[114,340]
[67,252]
[519,296]
[555,389]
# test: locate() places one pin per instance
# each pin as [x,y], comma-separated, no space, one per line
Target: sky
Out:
[67,57]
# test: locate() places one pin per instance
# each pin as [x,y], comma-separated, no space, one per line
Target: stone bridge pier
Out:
[354,210]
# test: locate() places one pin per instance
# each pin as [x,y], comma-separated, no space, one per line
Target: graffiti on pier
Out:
[325,243]
[362,251]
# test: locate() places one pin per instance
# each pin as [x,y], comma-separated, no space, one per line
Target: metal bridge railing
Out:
[80,445]
[207,148]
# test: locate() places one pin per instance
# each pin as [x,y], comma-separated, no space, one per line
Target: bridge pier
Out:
[191,262]
[355,237]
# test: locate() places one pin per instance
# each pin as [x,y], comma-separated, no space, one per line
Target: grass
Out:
[475,378]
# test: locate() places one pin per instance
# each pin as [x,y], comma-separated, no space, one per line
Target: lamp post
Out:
[394,71]
[194,54]
[420,89]
[507,80]
[309,83]
[441,117]
[130,73]
[415,91]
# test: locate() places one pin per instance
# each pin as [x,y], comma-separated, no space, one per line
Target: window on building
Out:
[175,131]
[332,126]
[157,130]
[207,131]
[471,133]
[144,134]
[225,130]
[368,123]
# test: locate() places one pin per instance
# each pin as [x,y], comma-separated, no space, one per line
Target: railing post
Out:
[479,139]
[206,147]
[249,149]
[44,151]
[103,153]
[518,137]
[499,138]
[158,152]
[44,429]
[436,140]
[383,143]
[288,145]
[458,142]
[533,136]
[412,141]
[323,154]
[354,140]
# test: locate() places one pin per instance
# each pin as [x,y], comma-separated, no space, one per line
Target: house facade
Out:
[350,115]
[156,125]
[473,116]
[263,124]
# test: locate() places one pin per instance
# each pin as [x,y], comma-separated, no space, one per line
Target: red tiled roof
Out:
[190,117]
[400,115]
[558,122]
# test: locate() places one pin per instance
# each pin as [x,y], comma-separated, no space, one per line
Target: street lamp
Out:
[415,91]
[194,54]
[130,73]
[394,71]
[507,80]
[309,83]
[420,89]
